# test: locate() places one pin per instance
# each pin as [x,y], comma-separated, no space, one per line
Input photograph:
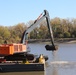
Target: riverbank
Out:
[65,40]
[56,40]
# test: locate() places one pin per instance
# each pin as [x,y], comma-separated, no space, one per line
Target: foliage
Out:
[67,35]
[4,34]
[62,28]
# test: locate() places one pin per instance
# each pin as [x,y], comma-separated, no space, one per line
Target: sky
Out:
[13,12]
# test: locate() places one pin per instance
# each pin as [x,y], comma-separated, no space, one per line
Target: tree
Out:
[4,33]
[43,32]
[67,35]
[17,31]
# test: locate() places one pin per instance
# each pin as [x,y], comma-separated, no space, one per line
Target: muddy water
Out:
[61,62]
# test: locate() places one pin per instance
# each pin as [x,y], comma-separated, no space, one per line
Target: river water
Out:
[60,62]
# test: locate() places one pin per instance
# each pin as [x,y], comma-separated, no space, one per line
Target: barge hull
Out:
[21,67]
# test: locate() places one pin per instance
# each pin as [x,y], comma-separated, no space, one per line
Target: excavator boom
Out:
[33,26]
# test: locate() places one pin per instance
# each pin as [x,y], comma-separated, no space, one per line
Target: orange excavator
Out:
[19,52]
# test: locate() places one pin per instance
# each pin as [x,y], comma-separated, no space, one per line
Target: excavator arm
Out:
[33,26]
[15,52]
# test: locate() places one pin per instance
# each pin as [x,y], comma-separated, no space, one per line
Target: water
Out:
[61,62]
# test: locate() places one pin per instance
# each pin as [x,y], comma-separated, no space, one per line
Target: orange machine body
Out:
[9,49]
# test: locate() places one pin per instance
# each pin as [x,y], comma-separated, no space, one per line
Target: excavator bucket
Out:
[51,47]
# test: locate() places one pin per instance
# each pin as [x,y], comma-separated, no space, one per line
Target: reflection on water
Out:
[52,70]
[24,73]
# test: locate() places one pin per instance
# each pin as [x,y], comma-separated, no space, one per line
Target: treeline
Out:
[62,28]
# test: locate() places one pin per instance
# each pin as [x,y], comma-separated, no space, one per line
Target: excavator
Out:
[19,52]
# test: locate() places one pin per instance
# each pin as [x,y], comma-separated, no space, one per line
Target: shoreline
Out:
[56,40]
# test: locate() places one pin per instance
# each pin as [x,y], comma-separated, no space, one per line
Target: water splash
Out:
[55,56]
[56,62]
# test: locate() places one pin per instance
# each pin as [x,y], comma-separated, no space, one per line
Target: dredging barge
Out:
[16,58]
[13,67]
[20,61]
